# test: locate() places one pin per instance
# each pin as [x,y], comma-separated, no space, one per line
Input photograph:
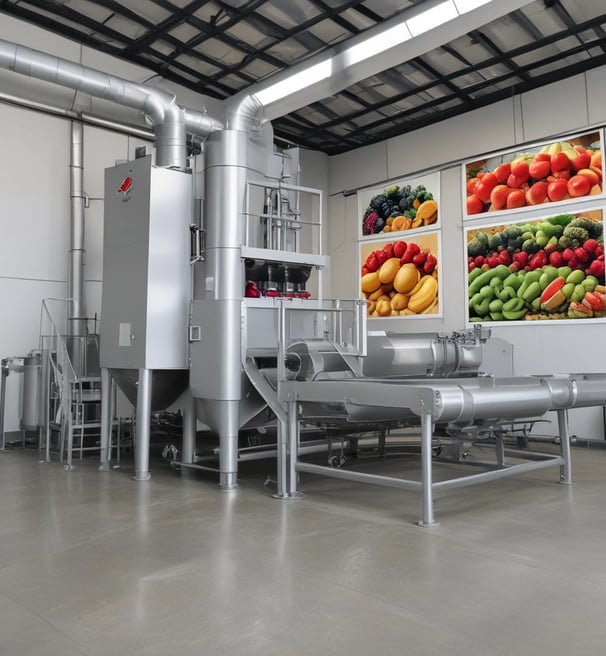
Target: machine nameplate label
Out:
[124,334]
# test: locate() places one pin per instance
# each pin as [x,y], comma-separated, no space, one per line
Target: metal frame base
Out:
[289,465]
[422,524]
[294,496]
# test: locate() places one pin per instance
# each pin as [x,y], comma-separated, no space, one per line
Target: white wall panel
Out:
[342,246]
[136,142]
[101,149]
[596,94]
[92,291]
[555,108]
[358,168]
[462,136]
[34,194]
[314,174]
[93,241]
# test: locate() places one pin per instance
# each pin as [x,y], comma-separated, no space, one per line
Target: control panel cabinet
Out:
[146,267]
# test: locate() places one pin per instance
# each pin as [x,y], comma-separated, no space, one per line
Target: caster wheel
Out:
[337,461]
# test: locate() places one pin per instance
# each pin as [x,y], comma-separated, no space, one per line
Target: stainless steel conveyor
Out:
[323,379]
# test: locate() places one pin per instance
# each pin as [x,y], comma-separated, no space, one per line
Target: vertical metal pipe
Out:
[75,285]
[426,435]
[293,448]
[282,460]
[106,420]
[565,469]
[46,402]
[225,177]
[500,449]
[229,426]
[142,437]
[2,403]
[171,148]
[189,429]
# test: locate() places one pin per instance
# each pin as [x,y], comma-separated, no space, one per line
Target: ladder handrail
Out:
[56,334]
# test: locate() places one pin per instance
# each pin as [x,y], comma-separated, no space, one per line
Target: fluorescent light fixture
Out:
[295,82]
[463,6]
[376,44]
[430,18]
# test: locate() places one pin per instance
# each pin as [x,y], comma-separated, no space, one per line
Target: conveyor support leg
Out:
[426,435]
[500,449]
[565,469]
[288,446]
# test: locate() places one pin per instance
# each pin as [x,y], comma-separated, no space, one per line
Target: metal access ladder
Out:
[71,395]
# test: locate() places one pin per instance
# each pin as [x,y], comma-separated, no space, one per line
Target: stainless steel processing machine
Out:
[330,372]
[206,300]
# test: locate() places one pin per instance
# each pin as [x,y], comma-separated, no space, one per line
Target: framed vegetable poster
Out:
[400,206]
[555,172]
[544,269]
[401,278]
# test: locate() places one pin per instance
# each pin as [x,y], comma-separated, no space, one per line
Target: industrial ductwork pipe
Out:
[409,34]
[170,121]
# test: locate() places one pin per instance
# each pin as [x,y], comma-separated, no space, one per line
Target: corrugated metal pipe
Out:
[171,122]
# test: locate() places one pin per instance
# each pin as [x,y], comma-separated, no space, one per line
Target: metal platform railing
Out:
[70,391]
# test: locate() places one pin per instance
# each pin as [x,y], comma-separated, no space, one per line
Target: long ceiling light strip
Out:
[376,44]
[406,29]
[432,18]
[295,82]
[463,6]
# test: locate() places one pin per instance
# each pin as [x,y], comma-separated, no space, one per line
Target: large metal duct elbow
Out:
[244,113]
[201,123]
[158,106]
[408,34]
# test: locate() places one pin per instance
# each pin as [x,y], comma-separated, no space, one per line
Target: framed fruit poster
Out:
[547,269]
[548,173]
[400,206]
[401,278]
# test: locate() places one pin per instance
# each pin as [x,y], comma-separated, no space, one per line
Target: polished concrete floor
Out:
[97,564]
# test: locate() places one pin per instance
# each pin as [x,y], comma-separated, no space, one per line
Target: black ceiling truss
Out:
[99,44]
[407,122]
[388,104]
[162,29]
[515,71]
[283,34]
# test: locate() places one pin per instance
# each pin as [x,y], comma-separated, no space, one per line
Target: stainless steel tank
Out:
[30,406]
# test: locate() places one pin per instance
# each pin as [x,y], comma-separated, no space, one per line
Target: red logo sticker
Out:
[126,185]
